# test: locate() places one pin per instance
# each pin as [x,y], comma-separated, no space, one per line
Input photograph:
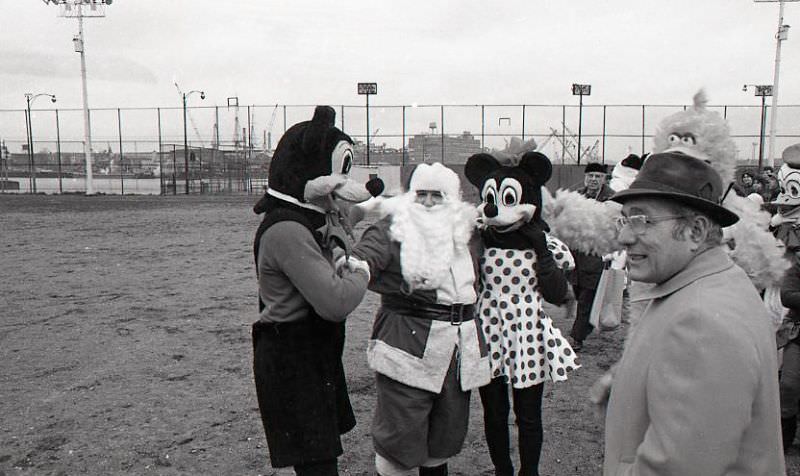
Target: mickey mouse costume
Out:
[521,266]
[299,337]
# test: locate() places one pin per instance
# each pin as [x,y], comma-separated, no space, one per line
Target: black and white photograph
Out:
[418,238]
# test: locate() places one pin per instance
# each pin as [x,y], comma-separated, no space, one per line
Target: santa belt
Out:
[455,314]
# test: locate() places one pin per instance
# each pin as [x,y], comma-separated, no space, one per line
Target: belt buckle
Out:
[456,314]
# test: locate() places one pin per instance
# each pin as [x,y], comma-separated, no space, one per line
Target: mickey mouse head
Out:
[510,194]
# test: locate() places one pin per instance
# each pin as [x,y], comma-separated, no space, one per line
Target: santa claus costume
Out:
[426,347]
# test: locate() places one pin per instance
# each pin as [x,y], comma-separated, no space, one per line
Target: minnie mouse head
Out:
[511,195]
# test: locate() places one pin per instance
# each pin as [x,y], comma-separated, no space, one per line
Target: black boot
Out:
[440,470]
[788,430]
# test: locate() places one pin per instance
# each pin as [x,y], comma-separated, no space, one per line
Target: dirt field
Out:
[125,347]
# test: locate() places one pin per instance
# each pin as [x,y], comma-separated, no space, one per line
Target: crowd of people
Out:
[696,391]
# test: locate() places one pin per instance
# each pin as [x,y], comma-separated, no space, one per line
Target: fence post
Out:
[249,137]
[563,132]
[442,120]
[160,154]
[58,154]
[523,123]
[215,151]
[403,156]
[174,168]
[643,126]
[119,131]
[483,127]
[603,150]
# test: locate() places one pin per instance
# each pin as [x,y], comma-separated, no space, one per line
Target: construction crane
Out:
[569,142]
[590,152]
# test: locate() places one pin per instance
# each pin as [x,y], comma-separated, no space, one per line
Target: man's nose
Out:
[428,202]
[626,236]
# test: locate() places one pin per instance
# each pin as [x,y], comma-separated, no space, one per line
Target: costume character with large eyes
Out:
[786,227]
[299,337]
[786,223]
[521,266]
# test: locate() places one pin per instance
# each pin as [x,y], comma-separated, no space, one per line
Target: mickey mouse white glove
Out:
[352,264]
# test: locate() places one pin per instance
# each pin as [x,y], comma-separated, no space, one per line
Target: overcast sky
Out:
[418,51]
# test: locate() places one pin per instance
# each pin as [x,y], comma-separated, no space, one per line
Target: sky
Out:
[421,52]
[425,52]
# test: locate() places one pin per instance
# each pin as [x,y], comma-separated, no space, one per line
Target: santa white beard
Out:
[429,238]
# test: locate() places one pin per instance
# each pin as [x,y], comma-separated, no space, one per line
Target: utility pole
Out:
[81,9]
[781,35]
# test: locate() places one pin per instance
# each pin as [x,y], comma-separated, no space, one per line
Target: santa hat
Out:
[436,177]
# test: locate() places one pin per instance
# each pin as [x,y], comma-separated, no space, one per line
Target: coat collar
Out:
[709,262]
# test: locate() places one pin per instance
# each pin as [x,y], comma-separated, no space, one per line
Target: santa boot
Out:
[788,430]
[440,470]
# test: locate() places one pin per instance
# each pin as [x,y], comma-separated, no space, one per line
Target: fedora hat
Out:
[681,178]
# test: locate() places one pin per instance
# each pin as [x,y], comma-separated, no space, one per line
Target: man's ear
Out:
[698,230]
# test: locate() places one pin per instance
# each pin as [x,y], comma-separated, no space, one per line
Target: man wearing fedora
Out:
[588,267]
[696,389]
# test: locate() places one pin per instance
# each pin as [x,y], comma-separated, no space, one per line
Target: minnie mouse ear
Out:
[537,165]
[479,166]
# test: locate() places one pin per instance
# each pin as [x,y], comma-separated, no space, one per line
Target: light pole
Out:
[762,90]
[580,90]
[185,136]
[367,89]
[29,98]
[81,9]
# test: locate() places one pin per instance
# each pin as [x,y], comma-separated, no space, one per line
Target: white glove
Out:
[352,264]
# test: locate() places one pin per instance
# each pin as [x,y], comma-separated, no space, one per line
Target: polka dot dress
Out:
[524,345]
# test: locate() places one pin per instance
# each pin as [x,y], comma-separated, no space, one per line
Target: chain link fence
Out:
[227,149]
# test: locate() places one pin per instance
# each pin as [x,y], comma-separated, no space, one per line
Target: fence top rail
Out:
[407,106]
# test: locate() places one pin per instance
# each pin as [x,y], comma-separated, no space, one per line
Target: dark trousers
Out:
[324,468]
[528,412]
[581,327]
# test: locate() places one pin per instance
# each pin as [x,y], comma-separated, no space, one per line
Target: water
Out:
[107,185]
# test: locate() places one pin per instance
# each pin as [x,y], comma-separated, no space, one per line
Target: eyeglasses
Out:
[638,223]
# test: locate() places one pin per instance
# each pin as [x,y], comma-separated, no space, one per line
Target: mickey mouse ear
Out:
[323,120]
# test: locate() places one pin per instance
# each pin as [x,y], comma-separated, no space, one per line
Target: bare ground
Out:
[125,347]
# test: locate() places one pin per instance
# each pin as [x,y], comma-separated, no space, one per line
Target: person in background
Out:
[790,371]
[771,186]
[745,185]
[426,347]
[588,267]
[696,389]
